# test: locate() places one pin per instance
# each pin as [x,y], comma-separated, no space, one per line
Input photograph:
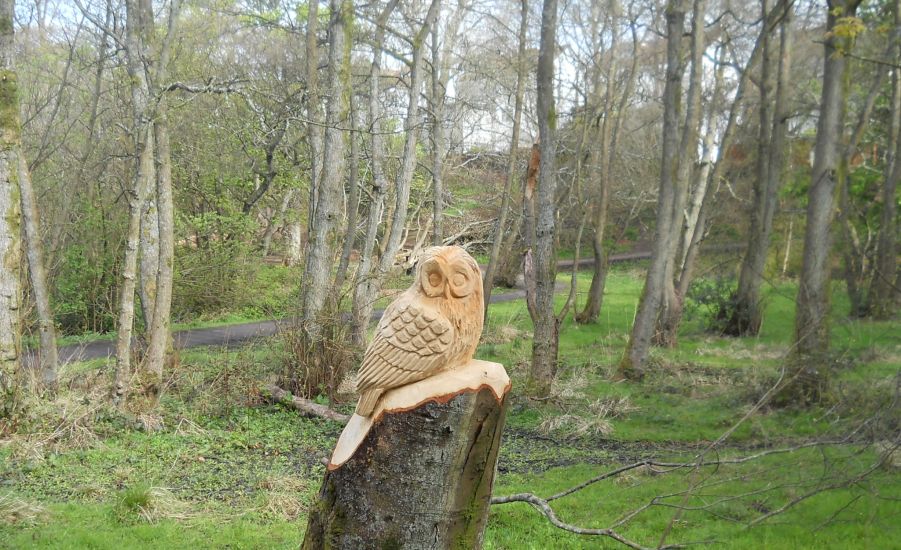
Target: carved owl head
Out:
[450,276]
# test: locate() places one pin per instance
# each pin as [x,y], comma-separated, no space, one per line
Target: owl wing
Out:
[410,344]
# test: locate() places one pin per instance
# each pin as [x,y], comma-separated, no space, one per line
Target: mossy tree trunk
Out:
[10,240]
[421,478]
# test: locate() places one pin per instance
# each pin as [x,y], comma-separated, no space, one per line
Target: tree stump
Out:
[418,473]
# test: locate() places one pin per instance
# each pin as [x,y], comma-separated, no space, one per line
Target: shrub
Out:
[711,301]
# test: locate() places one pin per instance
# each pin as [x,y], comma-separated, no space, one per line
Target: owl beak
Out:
[447,293]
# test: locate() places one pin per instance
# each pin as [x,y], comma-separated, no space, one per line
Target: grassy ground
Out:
[224,470]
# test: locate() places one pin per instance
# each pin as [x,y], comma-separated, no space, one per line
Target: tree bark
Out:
[633,362]
[10,243]
[149,245]
[746,309]
[320,255]
[143,142]
[373,278]
[884,295]
[546,336]
[498,239]
[34,251]
[670,315]
[809,374]
[159,334]
[609,140]
[314,116]
[440,77]
[421,478]
[361,307]
[353,204]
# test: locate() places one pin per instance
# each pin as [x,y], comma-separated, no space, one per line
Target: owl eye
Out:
[459,284]
[431,279]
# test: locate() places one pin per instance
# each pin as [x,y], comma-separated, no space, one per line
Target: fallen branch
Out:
[542,506]
[303,406]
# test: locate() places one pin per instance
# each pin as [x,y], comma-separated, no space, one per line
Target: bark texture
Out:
[884,297]
[546,336]
[320,256]
[9,216]
[34,251]
[746,314]
[361,307]
[421,479]
[810,371]
[635,357]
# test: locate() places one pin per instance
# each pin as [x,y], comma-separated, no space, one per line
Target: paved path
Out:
[237,335]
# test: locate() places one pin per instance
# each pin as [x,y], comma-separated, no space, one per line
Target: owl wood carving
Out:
[433,326]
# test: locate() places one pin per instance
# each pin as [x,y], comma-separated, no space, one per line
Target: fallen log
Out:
[303,406]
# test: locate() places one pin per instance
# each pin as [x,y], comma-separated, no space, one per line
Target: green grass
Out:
[226,471]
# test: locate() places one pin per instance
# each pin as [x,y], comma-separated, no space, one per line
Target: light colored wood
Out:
[421,479]
[432,327]
[470,377]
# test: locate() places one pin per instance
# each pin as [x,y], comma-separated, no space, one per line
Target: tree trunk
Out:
[420,479]
[149,245]
[320,255]
[136,28]
[544,344]
[633,361]
[373,278]
[746,309]
[34,250]
[884,295]
[353,205]
[809,374]
[687,271]
[10,243]
[361,308]
[670,314]
[440,76]
[498,238]
[313,103]
[125,323]
[159,335]
[276,220]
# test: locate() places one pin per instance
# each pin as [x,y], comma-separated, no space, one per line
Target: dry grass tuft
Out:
[16,510]
[150,504]
[284,497]
[573,425]
[503,334]
[594,421]
[56,425]
[612,407]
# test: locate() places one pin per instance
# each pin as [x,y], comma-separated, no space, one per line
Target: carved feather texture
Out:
[410,346]
[434,325]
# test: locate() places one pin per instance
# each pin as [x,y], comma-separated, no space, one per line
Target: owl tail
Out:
[368,401]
